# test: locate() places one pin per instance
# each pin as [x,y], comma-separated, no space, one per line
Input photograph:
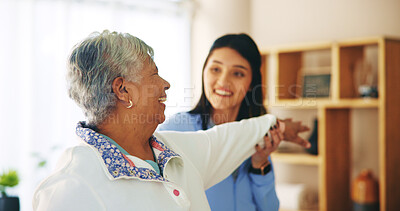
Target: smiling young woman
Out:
[232,92]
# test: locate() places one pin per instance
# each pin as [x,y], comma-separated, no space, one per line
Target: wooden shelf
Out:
[295,158]
[306,103]
[300,103]
[382,56]
[294,64]
[351,103]
[361,41]
[302,47]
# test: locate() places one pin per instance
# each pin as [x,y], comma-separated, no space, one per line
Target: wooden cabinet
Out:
[348,64]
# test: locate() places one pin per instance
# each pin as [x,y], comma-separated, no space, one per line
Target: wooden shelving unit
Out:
[341,59]
[295,158]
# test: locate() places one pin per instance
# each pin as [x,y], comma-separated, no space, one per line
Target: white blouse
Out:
[95,175]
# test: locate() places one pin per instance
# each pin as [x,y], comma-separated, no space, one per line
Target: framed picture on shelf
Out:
[316,85]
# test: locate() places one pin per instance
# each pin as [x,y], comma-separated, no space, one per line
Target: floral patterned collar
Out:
[118,164]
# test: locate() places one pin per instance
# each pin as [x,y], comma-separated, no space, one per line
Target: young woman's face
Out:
[227,78]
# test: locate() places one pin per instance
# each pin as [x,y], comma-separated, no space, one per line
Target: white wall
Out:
[211,20]
[293,21]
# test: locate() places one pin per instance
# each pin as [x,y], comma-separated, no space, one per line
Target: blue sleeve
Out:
[263,189]
[180,122]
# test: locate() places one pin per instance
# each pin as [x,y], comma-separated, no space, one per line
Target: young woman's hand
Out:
[260,157]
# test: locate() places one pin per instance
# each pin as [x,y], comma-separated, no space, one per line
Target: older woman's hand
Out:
[290,131]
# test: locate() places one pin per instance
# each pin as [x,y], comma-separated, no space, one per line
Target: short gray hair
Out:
[96,62]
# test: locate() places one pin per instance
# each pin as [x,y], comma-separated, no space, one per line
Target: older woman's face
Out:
[149,103]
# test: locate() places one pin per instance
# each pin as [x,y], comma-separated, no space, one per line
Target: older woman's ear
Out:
[119,87]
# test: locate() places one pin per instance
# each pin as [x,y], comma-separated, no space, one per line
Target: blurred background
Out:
[37,119]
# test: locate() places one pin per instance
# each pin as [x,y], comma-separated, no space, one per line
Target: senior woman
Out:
[121,164]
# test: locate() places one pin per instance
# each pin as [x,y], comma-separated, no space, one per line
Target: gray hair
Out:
[96,62]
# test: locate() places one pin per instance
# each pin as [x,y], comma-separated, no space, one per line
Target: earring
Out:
[130,104]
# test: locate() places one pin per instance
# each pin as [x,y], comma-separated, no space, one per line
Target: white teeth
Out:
[162,99]
[222,92]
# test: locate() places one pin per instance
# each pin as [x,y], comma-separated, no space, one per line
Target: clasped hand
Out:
[284,130]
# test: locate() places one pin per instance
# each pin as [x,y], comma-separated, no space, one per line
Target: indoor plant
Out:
[8,179]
